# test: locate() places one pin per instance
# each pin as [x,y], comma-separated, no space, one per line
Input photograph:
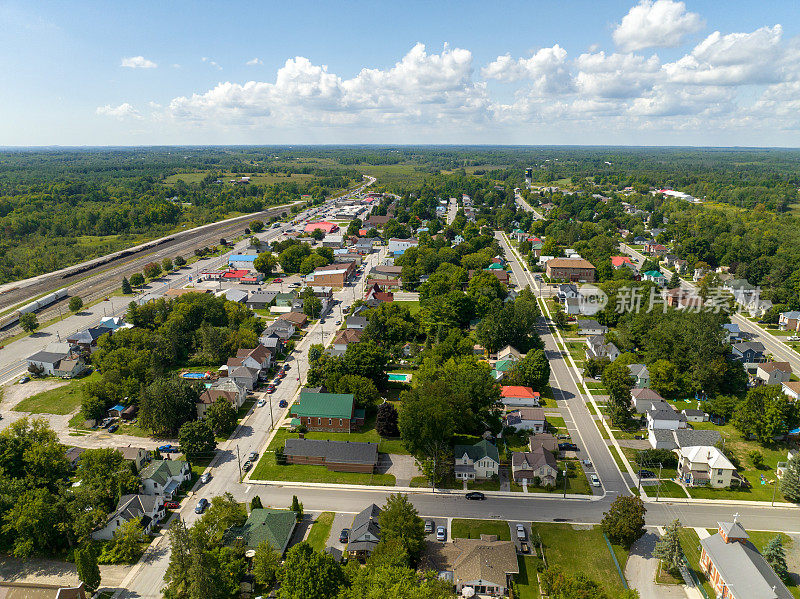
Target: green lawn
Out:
[368,434]
[268,469]
[582,549]
[462,528]
[557,422]
[61,400]
[320,531]
[413,306]
[527,585]
[690,543]
[668,489]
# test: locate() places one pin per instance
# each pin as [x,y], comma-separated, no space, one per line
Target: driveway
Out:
[403,467]
[640,571]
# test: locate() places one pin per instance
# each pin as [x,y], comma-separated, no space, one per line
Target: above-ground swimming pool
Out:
[194,375]
[400,378]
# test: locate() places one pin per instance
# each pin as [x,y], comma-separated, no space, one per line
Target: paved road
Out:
[452,210]
[527,207]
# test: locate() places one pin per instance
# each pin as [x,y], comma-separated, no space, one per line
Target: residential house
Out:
[757,308]
[732,332]
[386,270]
[138,456]
[261,299]
[655,249]
[640,240]
[655,276]
[682,299]
[387,283]
[774,373]
[527,419]
[335,412]
[694,415]
[662,438]
[544,440]
[704,466]
[345,337]
[789,321]
[70,367]
[147,510]
[572,306]
[519,396]
[365,533]
[640,374]
[86,339]
[378,221]
[618,262]
[792,389]
[333,241]
[50,361]
[749,352]
[272,342]
[591,327]
[333,275]
[486,567]
[264,525]
[567,290]
[509,352]
[33,590]
[227,388]
[780,470]
[297,319]
[661,417]
[244,376]
[73,455]
[642,398]
[164,477]
[337,456]
[597,348]
[571,269]
[259,358]
[479,461]
[376,296]
[398,246]
[528,466]
[280,328]
[734,567]
[358,323]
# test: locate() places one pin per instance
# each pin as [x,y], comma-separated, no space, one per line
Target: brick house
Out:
[335,412]
[570,269]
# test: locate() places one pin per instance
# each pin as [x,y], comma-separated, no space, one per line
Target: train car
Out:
[43,302]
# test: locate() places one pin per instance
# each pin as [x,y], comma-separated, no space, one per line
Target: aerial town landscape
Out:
[272,359]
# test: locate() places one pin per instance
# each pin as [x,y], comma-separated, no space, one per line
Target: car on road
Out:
[277,280]
[521,535]
[429,526]
[595,480]
[113,428]
[567,447]
[24,380]
[286,367]
[205,477]
[294,285]
[168,449]
[247,465]
[270,388]
[172,505]
[338,321]
[587,463]
[344,535]
[475,495]
[201,506]
[794,338]
[252,456]
[261,402]
[282,403]
[441,533]
[647,474]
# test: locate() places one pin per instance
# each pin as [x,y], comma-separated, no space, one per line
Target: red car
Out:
[277,280]
[270,388]
[172,505]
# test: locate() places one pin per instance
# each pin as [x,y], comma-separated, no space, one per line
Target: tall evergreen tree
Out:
[790,483]
[668,548]
[775,555]
[89,571]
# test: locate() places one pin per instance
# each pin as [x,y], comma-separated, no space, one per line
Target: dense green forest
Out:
[62,206]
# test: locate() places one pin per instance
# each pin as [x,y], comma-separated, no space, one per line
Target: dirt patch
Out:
[14,393]
[51,571]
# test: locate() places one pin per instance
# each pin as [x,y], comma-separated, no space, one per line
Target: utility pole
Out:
[658,488]
[239,460]
[565,484]
[774,489]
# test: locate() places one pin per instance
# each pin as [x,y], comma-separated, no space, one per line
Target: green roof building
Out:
[327,412]
[273,526]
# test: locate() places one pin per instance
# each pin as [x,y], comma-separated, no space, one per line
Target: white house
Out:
[591,327]
[693,415]
[145,509]
[704,466]
[479,461]
[792,389]
[242,261]
[527,419]
[660,417]
[519,396]
[596,347]
[163,477]
[398,246]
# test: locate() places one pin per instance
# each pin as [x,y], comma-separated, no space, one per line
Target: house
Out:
[261,299]
[655,276]
[618,262]
[757,308]
[163,477]
[566,291]
[244,376]
[50,361]
[509,352]
[386,270]
[73,455]
[70,367]
[539,464]
[297,319]
[258,358]
[358,323]
[792,389]
[334,412]
[235,295]
[375,296]
[333,241]
[519,396]
[654,249]
[365,533]
[642,398]
[479,461]
[527,419]
[137,455]
[345,337]
[735,568]
[640,240]
[147,510]
[789,321]
[640,374]
[702,465]
[774,373]
[693,415]
[780,470]
[87,338]
[333,275]
[662,438]
[337,456]
[597,348]
[398,246]
[732,332]
[378,221]
[681,299]
[242,261]
[664,417]
[591,327]
[501,367]
[29,590]
[485,566]
[545,440]
[324,226]
[264,525]
[227,388]
[749,352]
[571,269]
[280,328]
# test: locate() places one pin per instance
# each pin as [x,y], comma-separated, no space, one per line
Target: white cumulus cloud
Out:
[211,62]
[656,24]
[123,111]
[615,75]
[547,68]
[137,62]
[254,62]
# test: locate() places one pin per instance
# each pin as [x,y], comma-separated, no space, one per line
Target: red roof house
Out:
[619,261]
[515,395]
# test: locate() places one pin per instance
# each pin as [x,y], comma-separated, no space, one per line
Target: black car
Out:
[282,403]
[344,536]
[647,474]
[113,428]
[476,495]
[567,447]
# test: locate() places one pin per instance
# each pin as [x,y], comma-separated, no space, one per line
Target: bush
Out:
[648,457]
[75,304]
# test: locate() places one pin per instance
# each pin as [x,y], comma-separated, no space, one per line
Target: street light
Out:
[565,484]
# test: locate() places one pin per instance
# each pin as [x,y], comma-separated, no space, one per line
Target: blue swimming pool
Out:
[194,375]
[400,378]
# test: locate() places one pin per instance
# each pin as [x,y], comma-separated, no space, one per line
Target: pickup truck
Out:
[524,548]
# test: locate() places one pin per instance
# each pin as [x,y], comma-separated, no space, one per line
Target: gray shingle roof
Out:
[46,357]
[350,452]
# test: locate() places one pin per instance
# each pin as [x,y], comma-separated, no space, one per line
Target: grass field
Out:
[462,528]
[527,584]
[320,531]
[413,306]
[256,179]
[564,542]
[61,400]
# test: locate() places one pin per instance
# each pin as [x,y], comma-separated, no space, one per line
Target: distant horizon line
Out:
[386,145]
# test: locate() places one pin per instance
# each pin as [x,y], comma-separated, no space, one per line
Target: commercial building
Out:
[338,456]
[570,269]
[335,412]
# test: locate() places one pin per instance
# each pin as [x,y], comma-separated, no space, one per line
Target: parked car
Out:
[429,526]
[647,474]
[172,505]
[524,548]
[441,533]
[113,428]
[344,535]
[294,285]
[338,321]
[247,465]
[595,480]
[271,388]
[521,532]
[476,495]
[24,380]
[168,449]
[567,447]
[282,403]
[794,338]
[277,280]
[252,456]
[562,437]
[205,477]
[201,506]
[261,402]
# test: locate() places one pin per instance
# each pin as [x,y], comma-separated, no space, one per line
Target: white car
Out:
[261,402]
[595,480]
[794,338]
[205,478]
[441,533]
[521,532]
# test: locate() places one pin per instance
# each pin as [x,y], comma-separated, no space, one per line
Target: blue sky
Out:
[649,72]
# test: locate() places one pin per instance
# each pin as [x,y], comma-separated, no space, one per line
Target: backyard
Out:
[62,400]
